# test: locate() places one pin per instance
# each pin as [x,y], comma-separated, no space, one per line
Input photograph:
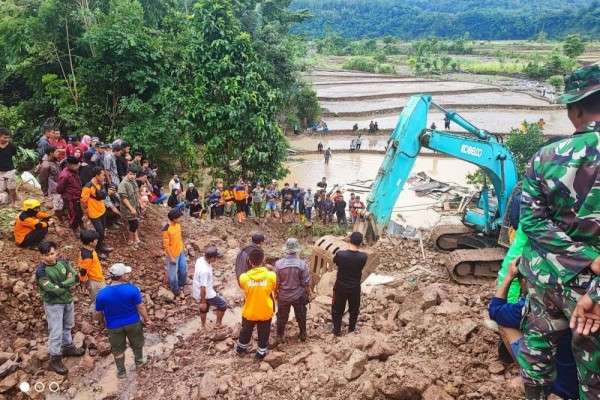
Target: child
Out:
[144,198]
[258,285]
[90,269]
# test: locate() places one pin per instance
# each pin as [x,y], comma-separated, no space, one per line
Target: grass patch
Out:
[492,67]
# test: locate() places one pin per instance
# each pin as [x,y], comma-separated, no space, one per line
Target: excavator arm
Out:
[476,146]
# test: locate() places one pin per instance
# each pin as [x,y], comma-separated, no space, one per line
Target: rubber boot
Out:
[120,363]
[57,365]
[534,392]
[138,354]
[72,351]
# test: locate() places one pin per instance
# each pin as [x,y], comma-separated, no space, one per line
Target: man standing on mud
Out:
[560,211]
[242,263]
[346,289]
[293,281]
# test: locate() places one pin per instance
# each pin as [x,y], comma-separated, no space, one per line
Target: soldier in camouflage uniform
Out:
[560,213]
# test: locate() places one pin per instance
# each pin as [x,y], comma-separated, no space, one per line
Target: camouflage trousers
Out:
[546,318]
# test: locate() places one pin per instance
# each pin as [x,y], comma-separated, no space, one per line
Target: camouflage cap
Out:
[580,84]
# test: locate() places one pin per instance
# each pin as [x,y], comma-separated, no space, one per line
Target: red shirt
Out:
[69,185]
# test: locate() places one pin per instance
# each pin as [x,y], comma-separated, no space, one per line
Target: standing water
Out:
[344,169]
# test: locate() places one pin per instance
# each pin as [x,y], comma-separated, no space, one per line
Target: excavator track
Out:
[475,266]
[447,237]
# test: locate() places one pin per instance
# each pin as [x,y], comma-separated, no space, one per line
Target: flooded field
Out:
[372,97]
[344,169]
[557,122]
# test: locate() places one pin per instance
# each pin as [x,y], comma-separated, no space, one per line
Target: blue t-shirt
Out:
[119,304]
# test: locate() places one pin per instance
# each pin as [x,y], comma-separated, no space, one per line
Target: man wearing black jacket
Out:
[350,264]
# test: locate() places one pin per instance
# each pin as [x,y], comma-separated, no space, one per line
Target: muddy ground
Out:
[421,336]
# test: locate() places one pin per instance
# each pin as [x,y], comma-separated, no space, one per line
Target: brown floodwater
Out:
[344,169]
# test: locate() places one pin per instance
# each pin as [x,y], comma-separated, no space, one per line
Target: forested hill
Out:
[491,19]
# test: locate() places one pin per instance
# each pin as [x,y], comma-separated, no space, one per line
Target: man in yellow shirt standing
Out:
[259,285]
[175,252]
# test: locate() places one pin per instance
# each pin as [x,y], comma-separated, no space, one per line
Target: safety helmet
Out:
[30,204]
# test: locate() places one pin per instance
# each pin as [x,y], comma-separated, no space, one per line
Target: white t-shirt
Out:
[203,277]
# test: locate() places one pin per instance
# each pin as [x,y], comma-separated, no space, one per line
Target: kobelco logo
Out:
[470,150]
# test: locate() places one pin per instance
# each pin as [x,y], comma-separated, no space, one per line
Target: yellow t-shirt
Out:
[259,286]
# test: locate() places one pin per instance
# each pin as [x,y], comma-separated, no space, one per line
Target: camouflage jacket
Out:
[560,211]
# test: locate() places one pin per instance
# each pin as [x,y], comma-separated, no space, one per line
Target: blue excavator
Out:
[473,246]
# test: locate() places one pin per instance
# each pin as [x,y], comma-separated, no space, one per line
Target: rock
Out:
[103,349]
[325,285]
[209,386]
[86,327]
[404,384]
[431,298]
[160,313]
[496,368]
[19,287]
[9,382]
[275,358]
[356,365]
[42,353]
[8,367]
[264,367]
[299,357]
[86,362]
[340,353]
[219,336]
[381,351]
[461,332]
[78,339]
[436,393]
[448,308]
[368,389]
[166,295]
[90,342]
[5,356]
[315,361]
[22,267]
[20,343]
[222,347]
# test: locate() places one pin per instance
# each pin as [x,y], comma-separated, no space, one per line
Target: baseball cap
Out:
[119,269]
[583,82]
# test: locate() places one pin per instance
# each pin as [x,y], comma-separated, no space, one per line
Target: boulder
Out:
[209,386]
[78,339]
[404,384]
[325,285]
[436,393]
[381,351]
[10,382]
[166,295]
[275,358]
[431,298]
[368,389]
[355,365]
[299,357]
[448,308]
[496,368]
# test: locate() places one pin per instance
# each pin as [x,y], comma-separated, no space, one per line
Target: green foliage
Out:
[492,19]
[492,67]
[194,84]
[25,159]
[557,81]
[573,46]
[366,64]
[541,37]
[308,110]
[315,230]
[524,142]
[543,67]
[477,178]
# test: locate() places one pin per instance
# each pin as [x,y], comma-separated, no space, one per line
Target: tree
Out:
[524,142]
[573,46]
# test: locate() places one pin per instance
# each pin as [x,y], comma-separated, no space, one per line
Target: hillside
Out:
[494,19]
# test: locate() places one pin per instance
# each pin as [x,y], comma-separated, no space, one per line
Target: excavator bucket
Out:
[321,260]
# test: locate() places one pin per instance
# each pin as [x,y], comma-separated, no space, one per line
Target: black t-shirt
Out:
[86,173]
[340,207]
[6,155]
[350,265]
[122,165]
